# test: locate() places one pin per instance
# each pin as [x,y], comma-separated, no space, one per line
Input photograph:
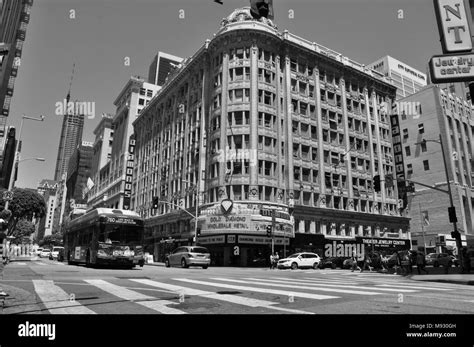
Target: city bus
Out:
[105,236]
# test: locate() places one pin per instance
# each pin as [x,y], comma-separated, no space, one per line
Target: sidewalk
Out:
[446,278]
[19,301]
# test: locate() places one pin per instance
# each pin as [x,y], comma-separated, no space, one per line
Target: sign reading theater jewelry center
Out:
[454,25]
[452,68]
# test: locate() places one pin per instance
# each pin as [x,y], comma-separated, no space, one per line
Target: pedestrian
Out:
[406,263]
[366,263]
[276,257]
[398,263]
[421,263]
[354,263]
[3,258]
[271,261]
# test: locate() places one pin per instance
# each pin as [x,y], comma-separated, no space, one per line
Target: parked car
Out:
[38,251]
[45,253]
[55,253]
[437,259]
[300,260]
[332,262]
[186,256]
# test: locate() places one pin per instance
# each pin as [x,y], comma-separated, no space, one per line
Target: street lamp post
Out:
[456,232]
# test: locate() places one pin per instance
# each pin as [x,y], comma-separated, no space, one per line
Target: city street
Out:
[51,287]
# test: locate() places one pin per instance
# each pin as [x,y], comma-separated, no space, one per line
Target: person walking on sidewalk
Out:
[3,260]
[421,263]
[354,263]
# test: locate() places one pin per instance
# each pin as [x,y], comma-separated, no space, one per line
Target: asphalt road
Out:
[50,287]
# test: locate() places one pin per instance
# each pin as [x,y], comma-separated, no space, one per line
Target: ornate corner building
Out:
[265,128]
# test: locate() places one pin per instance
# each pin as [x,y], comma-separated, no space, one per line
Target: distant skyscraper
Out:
[161,66]
[408,80]
[14,18]
[71,137]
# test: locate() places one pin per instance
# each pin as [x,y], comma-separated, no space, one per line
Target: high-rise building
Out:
[407,79]
[14,19]
[445,114]
[161,66]
[261,128]
[71,137]
[47,188]
[102,147]
[116,191]
[79,170]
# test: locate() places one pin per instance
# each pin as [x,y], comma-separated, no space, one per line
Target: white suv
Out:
[300,260]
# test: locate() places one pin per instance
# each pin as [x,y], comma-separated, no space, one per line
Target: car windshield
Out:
[199,250]
[57,249]
[294,255]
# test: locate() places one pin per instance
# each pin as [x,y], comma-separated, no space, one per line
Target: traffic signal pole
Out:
[453,218]
[273,231]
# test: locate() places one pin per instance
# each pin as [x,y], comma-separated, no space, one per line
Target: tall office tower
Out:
[161,66]
[71,137]
[261,128]
[104,134]
[115,193]
[407,79]
[14,18]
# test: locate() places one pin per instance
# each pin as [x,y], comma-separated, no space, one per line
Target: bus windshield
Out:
[120,234]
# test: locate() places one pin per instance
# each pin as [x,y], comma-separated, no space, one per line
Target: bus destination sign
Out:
[121,220]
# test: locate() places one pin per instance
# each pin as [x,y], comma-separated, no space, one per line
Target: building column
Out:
[222,191]
[289,127]
[312,227]
[348,145]
[253,170]
[381,171]
[322,184]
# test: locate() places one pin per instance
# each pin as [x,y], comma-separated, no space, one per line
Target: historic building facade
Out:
[265,128]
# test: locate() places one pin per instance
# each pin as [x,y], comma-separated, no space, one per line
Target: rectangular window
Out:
[409,169]
[421,128]
[407,151]
[426,165]
[423,146]
[405,133]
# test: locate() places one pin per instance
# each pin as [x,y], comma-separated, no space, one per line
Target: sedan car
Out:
[332,262]
[300,260]
[186,256]
[45,253]
[38,251]
[437,259]
[56,253]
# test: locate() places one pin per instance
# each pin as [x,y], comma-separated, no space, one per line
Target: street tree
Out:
[23,230]
[25,204]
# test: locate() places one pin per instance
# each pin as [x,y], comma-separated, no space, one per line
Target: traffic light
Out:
[452,215]
[269,230]
[155,202]
[198,231]
[455,234]
[377,183]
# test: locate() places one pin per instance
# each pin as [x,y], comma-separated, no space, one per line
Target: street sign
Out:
[454,25]
[8,195]
[452,68]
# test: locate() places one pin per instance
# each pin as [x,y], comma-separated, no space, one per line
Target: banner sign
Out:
[129,174]
[452,68]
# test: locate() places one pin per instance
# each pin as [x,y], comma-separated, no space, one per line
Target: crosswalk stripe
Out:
[235,299]
[56,300]
[330,289]
[411,286]
[39,263]
[130,295]
[259,290]
[19,263]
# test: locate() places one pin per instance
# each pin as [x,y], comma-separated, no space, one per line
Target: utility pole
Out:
[422,229]
[273,231]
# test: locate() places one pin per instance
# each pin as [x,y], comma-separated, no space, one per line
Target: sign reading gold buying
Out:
[452,68]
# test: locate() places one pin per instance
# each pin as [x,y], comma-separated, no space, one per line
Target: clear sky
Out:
[105,32]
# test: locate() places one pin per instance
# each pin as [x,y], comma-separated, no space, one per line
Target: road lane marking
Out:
[316,286]
[56,300]
[39,263]
[259,290]
[235,299]
[138,298]
[18,263]
[411,286]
